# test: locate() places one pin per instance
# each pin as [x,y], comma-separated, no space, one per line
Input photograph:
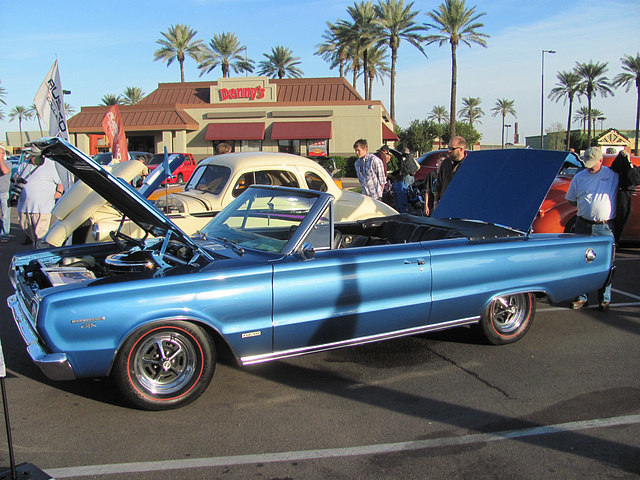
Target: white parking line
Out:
[625,293]
[124,468]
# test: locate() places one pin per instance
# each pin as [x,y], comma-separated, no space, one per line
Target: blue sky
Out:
[103,48]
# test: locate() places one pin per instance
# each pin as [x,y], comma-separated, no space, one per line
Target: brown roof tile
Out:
[134,118]
[164,107]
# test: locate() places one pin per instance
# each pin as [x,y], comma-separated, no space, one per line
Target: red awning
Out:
[387,134]
[301,131]
[235,131]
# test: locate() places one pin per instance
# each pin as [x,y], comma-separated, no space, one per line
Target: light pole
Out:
[507,127]
[542,101]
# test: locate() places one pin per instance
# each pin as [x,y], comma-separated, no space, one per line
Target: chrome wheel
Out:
[508,318]
[165,362]
[165,365]
[508,313]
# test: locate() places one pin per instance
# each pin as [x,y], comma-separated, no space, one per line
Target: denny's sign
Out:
[245,90]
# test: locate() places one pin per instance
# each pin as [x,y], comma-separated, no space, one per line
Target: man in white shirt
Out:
[594,192]
[42,184]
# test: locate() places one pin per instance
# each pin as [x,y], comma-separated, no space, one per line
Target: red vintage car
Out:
[182,173]
[557,216]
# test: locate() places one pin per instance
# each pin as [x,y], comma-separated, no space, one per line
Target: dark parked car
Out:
[274,276]
[105,158]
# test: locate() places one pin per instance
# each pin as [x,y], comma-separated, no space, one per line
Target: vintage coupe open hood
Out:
[120,194]
[501,187]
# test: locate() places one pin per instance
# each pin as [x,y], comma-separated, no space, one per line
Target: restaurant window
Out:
[289,146]
[248,146]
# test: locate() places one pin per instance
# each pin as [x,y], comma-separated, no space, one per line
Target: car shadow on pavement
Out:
[473,420]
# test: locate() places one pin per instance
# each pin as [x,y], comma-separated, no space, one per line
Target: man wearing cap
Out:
[5,184]
[594,191]
[38,195]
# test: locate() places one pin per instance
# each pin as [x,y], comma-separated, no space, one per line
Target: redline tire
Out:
[165,366]
[508,318]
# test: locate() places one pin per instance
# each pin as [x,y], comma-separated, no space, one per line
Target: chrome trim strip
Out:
[55,366]
[267,357]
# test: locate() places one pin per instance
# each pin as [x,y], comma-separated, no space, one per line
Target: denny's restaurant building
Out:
[308,117]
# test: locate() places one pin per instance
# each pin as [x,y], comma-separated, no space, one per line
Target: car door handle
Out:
[419,262]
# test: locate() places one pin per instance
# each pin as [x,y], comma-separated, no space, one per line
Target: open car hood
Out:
[501,187]
[116,191]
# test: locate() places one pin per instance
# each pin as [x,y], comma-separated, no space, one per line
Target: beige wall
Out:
[349,123]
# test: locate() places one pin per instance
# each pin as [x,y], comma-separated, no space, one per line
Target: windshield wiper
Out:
[233,245]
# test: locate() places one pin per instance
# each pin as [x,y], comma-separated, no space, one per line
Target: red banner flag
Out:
[114,130]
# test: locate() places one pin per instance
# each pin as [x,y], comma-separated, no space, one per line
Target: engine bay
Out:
[124,256]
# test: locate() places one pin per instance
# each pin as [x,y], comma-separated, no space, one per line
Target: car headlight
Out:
[95,232]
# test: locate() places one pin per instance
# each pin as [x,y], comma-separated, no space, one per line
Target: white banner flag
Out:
[49,102]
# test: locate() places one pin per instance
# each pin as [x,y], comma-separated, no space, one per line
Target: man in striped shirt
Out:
[370,170]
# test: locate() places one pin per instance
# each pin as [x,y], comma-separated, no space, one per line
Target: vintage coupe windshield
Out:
[262,218]
[209,178]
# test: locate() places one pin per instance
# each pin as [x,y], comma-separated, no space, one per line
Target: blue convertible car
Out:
[273,276]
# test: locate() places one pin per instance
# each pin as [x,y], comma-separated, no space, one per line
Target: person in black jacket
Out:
[628,178]
[449,166]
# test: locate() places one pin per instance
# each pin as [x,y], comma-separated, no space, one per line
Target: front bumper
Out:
[55,366]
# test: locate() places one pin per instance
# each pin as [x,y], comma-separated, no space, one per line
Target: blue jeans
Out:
[585,228]
[5,211]
[402,202]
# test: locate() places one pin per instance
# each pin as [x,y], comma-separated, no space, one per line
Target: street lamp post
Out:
[507,127]
[542,101]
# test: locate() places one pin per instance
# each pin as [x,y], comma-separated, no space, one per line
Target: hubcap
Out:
[165,362]
[508,313]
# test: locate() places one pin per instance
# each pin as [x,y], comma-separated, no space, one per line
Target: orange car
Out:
[557,216]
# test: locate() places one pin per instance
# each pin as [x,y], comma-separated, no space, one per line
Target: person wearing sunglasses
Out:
[449,167]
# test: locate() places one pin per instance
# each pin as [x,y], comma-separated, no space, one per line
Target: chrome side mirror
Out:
[308,252]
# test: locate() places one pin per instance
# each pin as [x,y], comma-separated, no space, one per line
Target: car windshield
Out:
[571,167]
[103,158]
[159,157]
[262,219]
[209,178]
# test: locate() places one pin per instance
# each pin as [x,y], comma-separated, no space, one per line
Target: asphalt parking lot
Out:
[562,403]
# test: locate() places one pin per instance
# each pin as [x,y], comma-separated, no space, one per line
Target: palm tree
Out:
[567,88]
[397,23]
[439,114]
[33,113]
[503,108]
[455,23]
[132,95]
[595,115]
[21,113]
[226,51]
[281,63]
[471,110]
[334,49]
[177,44]
[69,110]
[362,33]
[111,99]
[592,82]
[378,66]
[631,65]
[582,116]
